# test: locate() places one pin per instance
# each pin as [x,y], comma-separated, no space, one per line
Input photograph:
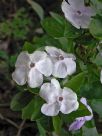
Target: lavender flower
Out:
[79,122]
[77,13]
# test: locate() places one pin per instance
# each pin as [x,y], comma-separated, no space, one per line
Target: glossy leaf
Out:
[28,47]
[76,81]
[57,123]
[37,8]
[32,110]
[57,27]
[89,131]
[95,27]
[97,106]
[98,60]
[41,129]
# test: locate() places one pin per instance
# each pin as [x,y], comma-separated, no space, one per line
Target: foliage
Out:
[17,26]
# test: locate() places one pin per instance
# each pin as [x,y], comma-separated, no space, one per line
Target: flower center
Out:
[32,65]
[60,98]
[79,12]
[61,57]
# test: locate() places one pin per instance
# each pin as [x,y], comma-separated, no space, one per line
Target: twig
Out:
[9,121]
[20,128]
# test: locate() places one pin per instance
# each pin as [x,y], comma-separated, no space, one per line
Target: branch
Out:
[20,128]
[9,121]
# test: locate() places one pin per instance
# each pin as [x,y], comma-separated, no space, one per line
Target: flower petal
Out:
[76,3]
[35,78]
[69,102]
[83,100]
[50,109]
[83,21]
[69,13]
[23,59]
[67,55]
[68,106]
[20,75]
[52,51]
[70,10]
[45,66]
[68,94]
[71,65]
[89,11]
[60,70]
[77,124]
[37,56]
[55,83]
[49,92]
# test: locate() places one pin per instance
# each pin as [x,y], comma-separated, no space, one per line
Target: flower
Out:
[31,68]
[57,99]
[77,13]
[64,63]
[79,122]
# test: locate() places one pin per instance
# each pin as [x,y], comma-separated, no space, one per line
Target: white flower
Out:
[31,68]
[77,13]
[64,63]
[57,99]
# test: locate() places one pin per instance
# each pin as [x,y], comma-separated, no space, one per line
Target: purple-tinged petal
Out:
[87,118]
[83,101]
[77,124]
[77,13]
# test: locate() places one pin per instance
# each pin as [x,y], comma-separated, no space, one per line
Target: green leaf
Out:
[95,27]
[97,106]
[32,110]
[98,60]
[20,100]
[57,27]
[28,47]
[42,131]
[53,27]
[37,8]
[12,60]
[57,123]
[91,90]
[76,81]
[3,55]
[98,6]
[67,44]
[69,30]
[89,131]
[57,17]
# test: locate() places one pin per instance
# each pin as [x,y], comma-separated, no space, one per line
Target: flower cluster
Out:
[32,68]
[54,63]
